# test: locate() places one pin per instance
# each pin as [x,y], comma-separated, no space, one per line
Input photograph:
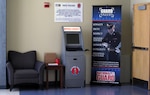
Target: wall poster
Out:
[106,44]
[68,12]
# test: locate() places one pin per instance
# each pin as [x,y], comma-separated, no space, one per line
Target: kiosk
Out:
[73,57]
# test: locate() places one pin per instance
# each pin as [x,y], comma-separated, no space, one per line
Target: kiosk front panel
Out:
[73,57]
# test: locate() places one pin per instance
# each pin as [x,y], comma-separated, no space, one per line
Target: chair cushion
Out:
[25,74]
[22,60]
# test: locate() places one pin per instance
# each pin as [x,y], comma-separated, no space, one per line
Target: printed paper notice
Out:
[68,12]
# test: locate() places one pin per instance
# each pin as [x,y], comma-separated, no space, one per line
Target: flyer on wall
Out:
[106,44]
[68,12]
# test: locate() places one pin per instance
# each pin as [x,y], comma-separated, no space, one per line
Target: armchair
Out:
[24,68]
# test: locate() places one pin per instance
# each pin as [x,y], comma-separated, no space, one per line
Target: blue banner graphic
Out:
[106,44]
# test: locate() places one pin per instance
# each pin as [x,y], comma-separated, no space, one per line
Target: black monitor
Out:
[73,41]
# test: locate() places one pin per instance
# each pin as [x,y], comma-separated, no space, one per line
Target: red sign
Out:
[105,76]
[46,4]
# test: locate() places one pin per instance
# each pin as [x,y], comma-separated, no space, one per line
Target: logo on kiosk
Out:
[75,70]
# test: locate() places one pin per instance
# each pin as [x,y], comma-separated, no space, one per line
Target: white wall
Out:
[30,26]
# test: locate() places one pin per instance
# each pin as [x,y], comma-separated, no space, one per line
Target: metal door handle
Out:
[140,48]
[74,58]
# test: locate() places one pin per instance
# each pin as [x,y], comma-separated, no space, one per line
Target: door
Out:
[140,57]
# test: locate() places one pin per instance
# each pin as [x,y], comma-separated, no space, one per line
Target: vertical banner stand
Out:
[106,44]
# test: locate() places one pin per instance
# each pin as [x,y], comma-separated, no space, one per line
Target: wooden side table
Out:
[59,67]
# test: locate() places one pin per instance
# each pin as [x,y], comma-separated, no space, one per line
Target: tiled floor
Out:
[88,90]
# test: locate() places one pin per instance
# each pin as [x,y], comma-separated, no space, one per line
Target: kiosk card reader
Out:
[73,57]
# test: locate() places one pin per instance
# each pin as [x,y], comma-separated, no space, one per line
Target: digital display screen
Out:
[72,38]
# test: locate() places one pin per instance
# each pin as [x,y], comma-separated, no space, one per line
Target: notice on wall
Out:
[68,12]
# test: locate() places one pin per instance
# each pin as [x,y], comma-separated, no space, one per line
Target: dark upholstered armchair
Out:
[24,68]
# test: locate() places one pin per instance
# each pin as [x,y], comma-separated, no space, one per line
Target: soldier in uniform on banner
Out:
[112,43]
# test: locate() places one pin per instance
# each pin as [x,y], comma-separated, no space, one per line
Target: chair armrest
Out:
[39,66]
[10,72]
